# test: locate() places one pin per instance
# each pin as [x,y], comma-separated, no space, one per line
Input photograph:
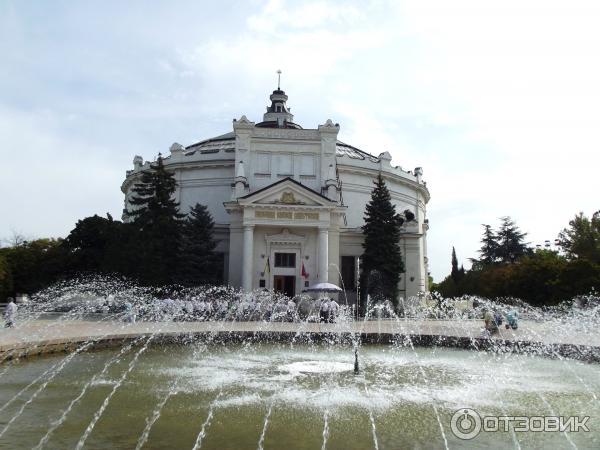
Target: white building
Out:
[288,202]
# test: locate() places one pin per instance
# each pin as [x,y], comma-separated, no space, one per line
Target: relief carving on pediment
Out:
[288,198]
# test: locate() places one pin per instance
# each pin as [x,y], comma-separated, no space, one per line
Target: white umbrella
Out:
[323,287]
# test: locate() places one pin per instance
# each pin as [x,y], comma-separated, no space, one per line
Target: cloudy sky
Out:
[499,101]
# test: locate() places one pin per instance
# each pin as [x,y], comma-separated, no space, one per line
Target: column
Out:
[248,256]
[323,254]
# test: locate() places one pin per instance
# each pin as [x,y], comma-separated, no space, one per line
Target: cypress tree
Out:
[157,220]
[455,272]
[382,243]
[198,259]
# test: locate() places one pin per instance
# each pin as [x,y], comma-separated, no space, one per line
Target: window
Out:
[307,165]
[284,163]
[349,272]
[263,163]
[285,260]
[261,283]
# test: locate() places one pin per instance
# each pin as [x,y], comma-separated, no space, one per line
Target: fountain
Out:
[217,368]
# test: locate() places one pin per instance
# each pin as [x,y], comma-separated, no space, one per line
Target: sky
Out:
[498,101]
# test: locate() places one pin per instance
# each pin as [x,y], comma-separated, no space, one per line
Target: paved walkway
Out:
[47,333]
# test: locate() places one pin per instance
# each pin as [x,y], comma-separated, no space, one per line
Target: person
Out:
[490,323]
[325,310]
[512,318]
[10,312]
[498,319]
[333,310]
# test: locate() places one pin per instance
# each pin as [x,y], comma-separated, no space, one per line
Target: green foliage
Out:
[489,247]
[382,242]
[94,244]
[156,246]
[102,245]
[506,245]
[198,260]
[455,273]
[507,267]
[152,199]
[511,242]
[581,240]
[155,215]
[6,283]
[34,265]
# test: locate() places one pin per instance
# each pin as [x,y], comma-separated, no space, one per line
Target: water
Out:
[211,394]
[293,397]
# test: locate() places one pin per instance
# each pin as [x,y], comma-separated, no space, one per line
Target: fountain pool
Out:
[237,396]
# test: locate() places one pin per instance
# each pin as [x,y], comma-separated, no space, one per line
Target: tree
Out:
[382,242]
[581,240]
[198,259]
[95,244]
[488,253]
[455,273]
[35,264]
[511,242]
[155,215]
[6,282]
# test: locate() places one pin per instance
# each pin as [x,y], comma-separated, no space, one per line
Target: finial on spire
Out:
[278,78]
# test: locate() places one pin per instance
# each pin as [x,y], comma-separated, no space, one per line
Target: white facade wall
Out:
[230,173]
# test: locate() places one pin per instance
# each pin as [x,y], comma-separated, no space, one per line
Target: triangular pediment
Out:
[286,192]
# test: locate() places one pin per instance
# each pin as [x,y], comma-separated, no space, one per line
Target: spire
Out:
[278,115]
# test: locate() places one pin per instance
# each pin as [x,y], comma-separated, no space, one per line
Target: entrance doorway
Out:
[285,284]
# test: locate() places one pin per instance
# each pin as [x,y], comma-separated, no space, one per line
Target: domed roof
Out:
[226,142]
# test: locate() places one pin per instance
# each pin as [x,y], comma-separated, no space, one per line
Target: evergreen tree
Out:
[198,259]
[489,247]
[511,242]
[155,215]
[382,242]
[455,272]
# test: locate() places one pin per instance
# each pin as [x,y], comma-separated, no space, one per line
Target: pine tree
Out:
[382,242]
[198,261]
[511,242]
[156,218]
[489,248]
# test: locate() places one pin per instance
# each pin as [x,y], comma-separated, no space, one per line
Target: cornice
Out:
[386,175]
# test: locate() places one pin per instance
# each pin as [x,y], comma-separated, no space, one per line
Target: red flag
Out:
[304,272]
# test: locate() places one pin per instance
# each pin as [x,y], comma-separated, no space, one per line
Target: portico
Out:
[285,232]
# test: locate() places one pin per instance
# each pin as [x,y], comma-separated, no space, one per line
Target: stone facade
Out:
[288,202]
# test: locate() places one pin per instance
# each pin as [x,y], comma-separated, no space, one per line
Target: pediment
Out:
[286,192]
